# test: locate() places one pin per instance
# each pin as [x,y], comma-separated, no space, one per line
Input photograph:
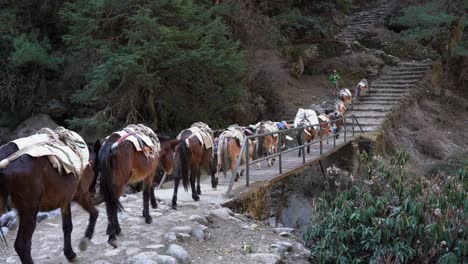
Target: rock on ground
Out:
[179,253]
[265,258]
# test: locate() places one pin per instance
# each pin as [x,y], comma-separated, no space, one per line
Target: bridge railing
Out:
[281,152]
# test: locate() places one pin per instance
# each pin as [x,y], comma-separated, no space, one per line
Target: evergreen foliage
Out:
[162,62]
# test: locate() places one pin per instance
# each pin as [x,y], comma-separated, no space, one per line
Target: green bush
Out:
[165,63]
[394,217]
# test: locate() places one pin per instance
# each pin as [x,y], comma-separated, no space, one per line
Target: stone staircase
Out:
[360,22]
[393,85]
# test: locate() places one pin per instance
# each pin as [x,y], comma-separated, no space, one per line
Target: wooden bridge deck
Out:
[291,164]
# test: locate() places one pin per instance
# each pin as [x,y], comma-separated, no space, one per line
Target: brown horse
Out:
[340,107]
[122,162]
[325,125]
[266,145]
[337,122]
[229,148]
[308,134]
[346,96]
[34,185]
[193,153]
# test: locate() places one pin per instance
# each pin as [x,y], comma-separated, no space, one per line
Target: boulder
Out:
[179,253]
[297,68]
[199,219]
[310,53]
[170,237]
[265,258]
[5,134]
[357,47]
[181,229]
[33,124]
[55,108]
[199,234]
[163,259]
[223,213]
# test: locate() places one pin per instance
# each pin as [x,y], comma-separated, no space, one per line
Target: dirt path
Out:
[205,232]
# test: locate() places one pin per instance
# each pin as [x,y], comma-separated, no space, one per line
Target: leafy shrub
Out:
[394,217]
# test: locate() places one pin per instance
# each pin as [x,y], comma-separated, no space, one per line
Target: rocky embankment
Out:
[198,232]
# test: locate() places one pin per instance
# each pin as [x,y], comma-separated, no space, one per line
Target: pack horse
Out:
[194,152]
[129,156]
[44,172]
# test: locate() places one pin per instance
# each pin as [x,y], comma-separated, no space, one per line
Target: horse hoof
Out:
[84,243]
[154,206]
[196,198]
[149,220]
[113,242]
[71,256]
[174,206]
[199,192]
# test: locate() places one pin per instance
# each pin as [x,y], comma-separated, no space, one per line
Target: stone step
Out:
[395,81]
[411,68]
[370,96]
[378,99]
[367,121]
[406,73]
[392,86]
[405,77]
[389,91]
[368,114]
[409,63]
[371,107]
[361,102]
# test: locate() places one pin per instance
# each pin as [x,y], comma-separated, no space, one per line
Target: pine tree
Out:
[162,62]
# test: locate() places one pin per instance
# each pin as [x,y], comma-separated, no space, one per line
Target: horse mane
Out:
[163,138]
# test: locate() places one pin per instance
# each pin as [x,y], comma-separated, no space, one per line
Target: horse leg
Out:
[154,203]
[214,178]
[146,197]
[85,202]
[27,225]
[193,174]
[67,227]
[176,187]
[112,226]
[308,147]
[198,183]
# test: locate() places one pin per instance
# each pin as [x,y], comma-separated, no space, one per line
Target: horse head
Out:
[166,154]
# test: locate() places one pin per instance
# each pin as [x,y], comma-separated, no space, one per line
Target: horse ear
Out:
[174,143]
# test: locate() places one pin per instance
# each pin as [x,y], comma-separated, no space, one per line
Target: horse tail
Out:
[184,161]
[261,130]
[107,188]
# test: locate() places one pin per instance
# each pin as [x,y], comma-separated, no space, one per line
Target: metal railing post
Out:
[280,160]
[334,139]
[344,119]
[303,146]
[247,177]
[321,139]
[354,118]
[236,168]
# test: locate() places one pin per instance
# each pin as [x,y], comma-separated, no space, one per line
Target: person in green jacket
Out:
[334,78]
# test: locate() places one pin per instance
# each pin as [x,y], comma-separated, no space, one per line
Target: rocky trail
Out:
[198,232]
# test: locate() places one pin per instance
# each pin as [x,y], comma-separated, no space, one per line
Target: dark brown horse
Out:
[120,163]
[192,154]
[34,185]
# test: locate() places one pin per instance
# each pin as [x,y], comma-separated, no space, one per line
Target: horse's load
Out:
[308,115]
[234,131]
[143,138]
[345,92]
[65,149]
[203,132]
[268,125]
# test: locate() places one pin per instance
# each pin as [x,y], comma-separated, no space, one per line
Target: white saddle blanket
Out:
[205,138]
[60,155]
[235,131]
[270,126]
[345,92]
[306,114]
[134,132]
